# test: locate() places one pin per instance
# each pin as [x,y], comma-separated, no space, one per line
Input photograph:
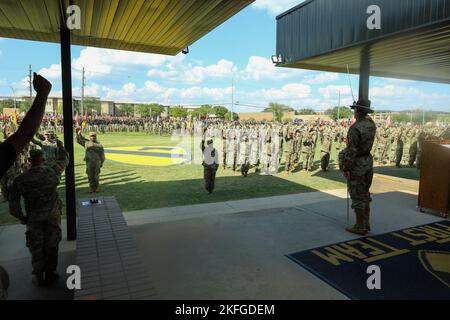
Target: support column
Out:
[364,73]
[66,69]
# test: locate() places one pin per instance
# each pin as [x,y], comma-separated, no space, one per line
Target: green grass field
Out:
[145,187]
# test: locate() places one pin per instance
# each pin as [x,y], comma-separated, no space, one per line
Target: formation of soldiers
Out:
[265,146]
[242,145]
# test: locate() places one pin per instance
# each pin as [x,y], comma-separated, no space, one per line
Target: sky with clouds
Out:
[239,50]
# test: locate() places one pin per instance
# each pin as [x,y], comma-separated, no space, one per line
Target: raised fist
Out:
[40,84]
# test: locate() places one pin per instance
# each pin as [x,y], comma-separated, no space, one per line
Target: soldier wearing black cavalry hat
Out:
[356,162]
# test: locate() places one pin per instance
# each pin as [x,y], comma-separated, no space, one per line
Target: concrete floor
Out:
[239,253]
[233,249]
[16,259]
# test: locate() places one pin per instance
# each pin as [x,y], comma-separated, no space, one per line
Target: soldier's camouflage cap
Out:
[92,134]
[49,132]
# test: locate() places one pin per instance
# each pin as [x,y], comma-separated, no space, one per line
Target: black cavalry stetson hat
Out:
[362,105]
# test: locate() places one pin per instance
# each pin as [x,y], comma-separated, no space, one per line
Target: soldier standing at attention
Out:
[289,151]
[224,147]
[210,165]
[94,157]
[38,186]
[244,154]
[399,148]
[327,138]
[356,162]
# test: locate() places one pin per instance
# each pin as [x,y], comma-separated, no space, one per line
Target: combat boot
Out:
[38,279]
[359,228]
[50,277]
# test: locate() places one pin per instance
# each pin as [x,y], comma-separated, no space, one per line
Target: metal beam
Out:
[364,73]
[66,69]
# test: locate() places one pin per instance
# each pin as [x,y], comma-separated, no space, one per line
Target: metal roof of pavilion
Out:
[328,35]
[156,26]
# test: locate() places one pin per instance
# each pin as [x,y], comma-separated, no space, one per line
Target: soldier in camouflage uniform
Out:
[308,149]
[266,152]
[48,147]
[356,162]
[413,148]
[399,148]
[94,157]
[254,149]
[38,187]
[420,142]
[298,146]
[244,154]
[327,138]
[224,147]
[289,151]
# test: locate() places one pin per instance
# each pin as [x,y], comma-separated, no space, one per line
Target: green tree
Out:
[305,112]
[127,109]
[220,111]
[228,116]
[25,105]
[340,113]
[178,112]
[8,103]
[155,109]
[143,110]
[205,110]
[92,105]
[278,110]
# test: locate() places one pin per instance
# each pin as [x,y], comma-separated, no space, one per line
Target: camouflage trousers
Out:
[358,187]
[290,159]
[325,160]
[43,239]
[93,173]
[209,175]
[308,159]
[412,154]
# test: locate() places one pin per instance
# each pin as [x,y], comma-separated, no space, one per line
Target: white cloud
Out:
[275,7]
[214,94]
[292,93]
[152,91]
[393,91]
[52,73]
[322,78]
[100,62]
[332,91]
[260,68]
[89,91]
[176,71]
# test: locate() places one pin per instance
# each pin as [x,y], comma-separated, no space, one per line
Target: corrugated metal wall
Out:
[321,26]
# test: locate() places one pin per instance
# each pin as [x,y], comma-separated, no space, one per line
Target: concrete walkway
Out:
[236,249]
[232,249]
[16,259]
[382,184]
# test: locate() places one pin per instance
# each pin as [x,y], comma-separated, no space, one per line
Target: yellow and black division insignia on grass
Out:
[155,156]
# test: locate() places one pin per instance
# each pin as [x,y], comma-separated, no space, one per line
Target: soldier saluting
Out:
[94,157]
[356,162]
[210,164]
[38,186]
